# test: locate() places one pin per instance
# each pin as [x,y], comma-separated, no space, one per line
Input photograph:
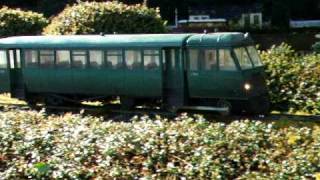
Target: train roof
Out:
[117,41]
[95,41]
[220,39]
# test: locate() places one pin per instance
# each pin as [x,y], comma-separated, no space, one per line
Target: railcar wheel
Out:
[259,106]
[32,103]
[30,99]
[53,101]
[224,104]
[127,103]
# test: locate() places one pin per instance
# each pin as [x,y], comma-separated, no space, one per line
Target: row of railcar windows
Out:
[112,59]
[210,60]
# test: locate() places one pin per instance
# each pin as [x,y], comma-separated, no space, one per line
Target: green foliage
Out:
[33,146]
[106,17]
[16,22]
[316,47]
[293,80]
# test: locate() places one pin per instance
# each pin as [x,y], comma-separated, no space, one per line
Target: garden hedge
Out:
[33,146]
[17,22]
[106,17]
[316,47]
[293,80]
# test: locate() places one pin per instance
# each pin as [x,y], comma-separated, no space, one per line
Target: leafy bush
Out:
[17,22]
[316,47]
[106,17]
[293,80]
[34,146]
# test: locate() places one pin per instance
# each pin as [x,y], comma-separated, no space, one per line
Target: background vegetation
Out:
[34,146]
[293,80]
[109,17]
[16,22]
[316,47]
[279,12]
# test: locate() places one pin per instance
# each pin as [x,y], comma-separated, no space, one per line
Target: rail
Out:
[110,112]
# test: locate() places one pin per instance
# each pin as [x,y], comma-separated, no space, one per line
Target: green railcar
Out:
[219,71]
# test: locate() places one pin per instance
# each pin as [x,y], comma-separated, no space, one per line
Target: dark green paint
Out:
[172,77]
[4,80]
[95,41]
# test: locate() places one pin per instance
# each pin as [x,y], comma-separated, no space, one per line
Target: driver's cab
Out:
[224,66]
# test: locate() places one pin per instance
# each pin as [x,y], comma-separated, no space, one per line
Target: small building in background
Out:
[251,20]
[203,21]
[227,17]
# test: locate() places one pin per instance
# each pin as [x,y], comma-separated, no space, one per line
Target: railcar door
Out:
[229,76]
[4,72]
[202,73]
[17,86]
[173,78]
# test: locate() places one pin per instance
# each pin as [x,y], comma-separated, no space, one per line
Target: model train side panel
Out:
[118,78]
[175,70]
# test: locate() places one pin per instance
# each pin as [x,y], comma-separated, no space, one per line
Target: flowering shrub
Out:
[293,80]
[17,22]
[106,17]
[35,146]
[316,47]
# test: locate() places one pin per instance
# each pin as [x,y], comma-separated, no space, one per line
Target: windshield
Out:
[254,56]
[243,58]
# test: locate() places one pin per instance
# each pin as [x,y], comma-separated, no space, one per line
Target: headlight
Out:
[247,86]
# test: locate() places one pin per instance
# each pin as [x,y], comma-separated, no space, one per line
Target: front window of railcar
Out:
[210,57]
[193,59]
[243,58]
[226,62]
[254,56]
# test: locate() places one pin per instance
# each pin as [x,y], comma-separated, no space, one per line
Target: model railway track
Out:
[116,111]
[105,111]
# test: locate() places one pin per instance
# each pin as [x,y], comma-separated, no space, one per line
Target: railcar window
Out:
[210,59]
[3,59]
[18,56]
[114,59]
[96,58]
[194,59]
[46,58]
[151,59]
[31,58]
[133,59]
[164,59]
[253,53]
[11,59]
[79,59]
[243,58]
[226,62]
[63,59]
[173,59]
